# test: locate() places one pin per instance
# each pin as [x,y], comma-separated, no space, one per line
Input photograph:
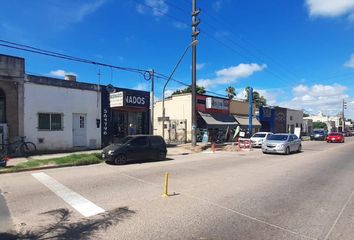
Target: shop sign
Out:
[216,103]
[105,122]
[126,99]
[116,99]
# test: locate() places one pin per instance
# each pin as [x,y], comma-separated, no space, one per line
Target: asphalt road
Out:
[244,195]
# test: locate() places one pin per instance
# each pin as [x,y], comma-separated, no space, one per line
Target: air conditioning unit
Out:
[4,133]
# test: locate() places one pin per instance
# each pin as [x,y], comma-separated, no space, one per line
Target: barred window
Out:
[50,121]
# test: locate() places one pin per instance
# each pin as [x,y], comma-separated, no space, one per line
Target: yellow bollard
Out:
[165,191]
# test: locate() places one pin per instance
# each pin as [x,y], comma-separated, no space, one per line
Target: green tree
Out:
[319,125]
[257,99]
[199,90]
[230,91]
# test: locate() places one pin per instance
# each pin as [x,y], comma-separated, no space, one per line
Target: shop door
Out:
[79,130]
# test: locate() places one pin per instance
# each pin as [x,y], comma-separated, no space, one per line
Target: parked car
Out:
[282,143]
[348,134]
[335,137]
[258,138]
[319,134]
[136,147]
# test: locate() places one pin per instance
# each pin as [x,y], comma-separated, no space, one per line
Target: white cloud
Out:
[217,5]
[61,73]
[88,8]
[168,93]
[231,74]
[330,8]
[142,87]
[157,8]
[318,97]
[200,66]
[180,25]
[350,62]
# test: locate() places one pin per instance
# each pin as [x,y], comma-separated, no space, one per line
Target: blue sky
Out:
[297,54]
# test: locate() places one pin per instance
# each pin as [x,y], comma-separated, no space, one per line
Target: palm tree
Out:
[257,98]
[230,91]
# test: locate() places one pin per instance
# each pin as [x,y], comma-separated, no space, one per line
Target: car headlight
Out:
[110,152]
[280,145]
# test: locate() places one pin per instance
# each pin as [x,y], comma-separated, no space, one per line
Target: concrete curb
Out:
[73,165]
[47,167]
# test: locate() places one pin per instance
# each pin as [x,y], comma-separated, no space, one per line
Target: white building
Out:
[294,119]
[333,123]
[61,114]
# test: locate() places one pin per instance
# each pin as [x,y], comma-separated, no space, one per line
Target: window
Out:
[291,118]
[50,121]
[139,142]
[2,107]
[156,142]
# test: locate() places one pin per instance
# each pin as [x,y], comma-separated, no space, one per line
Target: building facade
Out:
[240,111]
[294,119]
[124,112]
[61,114]
[273,119]
[57,114]
[11,97]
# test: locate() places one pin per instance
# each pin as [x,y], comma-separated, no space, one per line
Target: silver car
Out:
[258,138]
[284,143]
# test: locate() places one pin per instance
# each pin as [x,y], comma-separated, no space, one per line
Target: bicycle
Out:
[24,148]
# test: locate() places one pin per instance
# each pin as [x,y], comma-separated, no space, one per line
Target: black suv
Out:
[319,134]
[136,147]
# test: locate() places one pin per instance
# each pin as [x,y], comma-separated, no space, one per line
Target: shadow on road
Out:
[62,228]
[140,161]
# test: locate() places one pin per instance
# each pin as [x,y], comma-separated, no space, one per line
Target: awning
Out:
[218,120]
[243,120]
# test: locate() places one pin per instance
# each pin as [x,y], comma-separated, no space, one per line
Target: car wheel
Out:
[299,149]
[287,151]
[264,152]
[161,156]
[120,159]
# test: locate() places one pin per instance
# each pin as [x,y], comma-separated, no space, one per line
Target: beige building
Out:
[178,109]
[239,110]
[219,116]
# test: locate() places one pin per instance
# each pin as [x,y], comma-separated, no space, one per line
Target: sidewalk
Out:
[171,151]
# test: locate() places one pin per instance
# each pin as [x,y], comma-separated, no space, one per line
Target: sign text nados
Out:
[127,99]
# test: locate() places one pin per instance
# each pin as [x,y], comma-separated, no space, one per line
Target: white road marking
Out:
[78,202]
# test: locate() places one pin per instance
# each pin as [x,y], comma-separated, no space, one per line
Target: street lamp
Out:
[193,43]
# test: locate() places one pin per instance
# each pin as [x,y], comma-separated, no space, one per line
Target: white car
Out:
[258,138]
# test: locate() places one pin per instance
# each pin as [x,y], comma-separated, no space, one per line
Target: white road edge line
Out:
[339,216]
[75,200]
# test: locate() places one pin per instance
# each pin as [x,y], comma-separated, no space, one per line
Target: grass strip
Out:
[71,160]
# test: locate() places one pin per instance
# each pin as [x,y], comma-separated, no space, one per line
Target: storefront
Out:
[273,119]
[124,112]
[213,117]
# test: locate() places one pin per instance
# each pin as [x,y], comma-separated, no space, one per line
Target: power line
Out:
[66,57]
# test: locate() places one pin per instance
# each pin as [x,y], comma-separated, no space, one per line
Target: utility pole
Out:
[344,106]
[195,33]
[250,110]
[152,102]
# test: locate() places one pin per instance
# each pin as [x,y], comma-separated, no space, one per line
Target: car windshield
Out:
[259,135]
[335,134]
[125,140]
[278,137]
[318,132]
